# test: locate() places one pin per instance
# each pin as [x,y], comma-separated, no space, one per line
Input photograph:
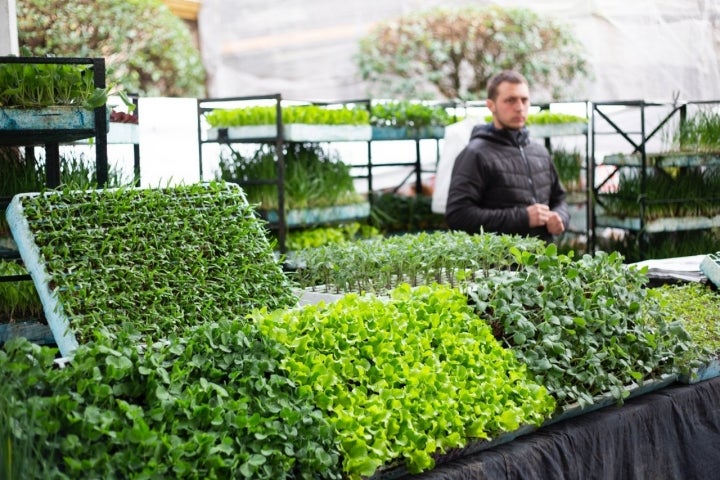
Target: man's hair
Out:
[505,76]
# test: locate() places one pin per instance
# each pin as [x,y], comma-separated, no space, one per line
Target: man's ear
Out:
[490,105]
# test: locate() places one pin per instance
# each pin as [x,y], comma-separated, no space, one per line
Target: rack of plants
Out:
[48,126]
[296,132]
[670,159]
[669,224]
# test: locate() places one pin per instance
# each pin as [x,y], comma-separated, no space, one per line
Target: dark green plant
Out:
[18,300]
[451,53]
[699,133]
[394,213]
[665,193]
[569,167]
[147,49]
[584,327]
[37,85]
[314,176]
[211,403]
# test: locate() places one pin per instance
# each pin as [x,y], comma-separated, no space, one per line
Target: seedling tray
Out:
[705,372]
[32,258]
[670,224]
[710,266]
[294,132]
[45,125]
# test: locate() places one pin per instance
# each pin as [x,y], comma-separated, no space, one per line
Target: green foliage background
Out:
[147,49]
[451,53]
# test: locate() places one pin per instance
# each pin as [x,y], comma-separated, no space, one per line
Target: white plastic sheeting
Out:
[640,49]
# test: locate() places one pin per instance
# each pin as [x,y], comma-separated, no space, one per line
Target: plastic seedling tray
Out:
[30,253]
[710,266]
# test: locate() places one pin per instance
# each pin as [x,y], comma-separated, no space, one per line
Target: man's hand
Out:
[555,224]
[540,215]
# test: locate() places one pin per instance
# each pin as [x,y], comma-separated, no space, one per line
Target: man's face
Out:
[510,108]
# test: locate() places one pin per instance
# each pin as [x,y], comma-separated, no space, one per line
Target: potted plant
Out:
[45,94]
[318,186]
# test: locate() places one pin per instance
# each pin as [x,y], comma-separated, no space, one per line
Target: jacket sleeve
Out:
[558,202]
[465,210]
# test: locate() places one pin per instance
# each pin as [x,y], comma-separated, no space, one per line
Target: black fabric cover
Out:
[673,433]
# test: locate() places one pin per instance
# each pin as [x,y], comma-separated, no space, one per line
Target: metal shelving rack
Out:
[275,136]
[640,158]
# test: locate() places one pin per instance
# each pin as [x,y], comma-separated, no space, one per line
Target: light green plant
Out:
[302,114]
[699,133]
[406,378]
[405,113]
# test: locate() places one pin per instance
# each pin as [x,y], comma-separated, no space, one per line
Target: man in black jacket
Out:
[501,182]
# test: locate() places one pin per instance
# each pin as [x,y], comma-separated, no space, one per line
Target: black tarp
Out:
[673,433]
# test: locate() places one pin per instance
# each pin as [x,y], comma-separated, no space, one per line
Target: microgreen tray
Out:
[602,401]
[710,266]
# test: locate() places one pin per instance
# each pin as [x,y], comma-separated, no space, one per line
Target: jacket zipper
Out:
[527,168]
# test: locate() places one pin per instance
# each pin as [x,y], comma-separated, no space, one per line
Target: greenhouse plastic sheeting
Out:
[673,433]
[645,49]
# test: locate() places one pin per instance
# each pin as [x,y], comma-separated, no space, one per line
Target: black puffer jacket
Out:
[496,176]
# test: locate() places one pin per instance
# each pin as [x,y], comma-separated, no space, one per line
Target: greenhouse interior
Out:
[379,240]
